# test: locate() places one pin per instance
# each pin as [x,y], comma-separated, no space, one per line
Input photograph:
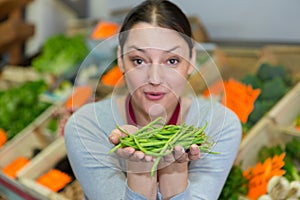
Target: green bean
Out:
[158,140]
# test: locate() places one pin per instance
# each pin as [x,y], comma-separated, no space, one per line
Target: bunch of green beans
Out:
[158,140]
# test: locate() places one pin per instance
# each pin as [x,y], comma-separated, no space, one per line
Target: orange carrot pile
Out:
[238,97]
[79,97]
[104,30]
[112,77]
[261,173]
[54,180]
[12,168]
[3,137]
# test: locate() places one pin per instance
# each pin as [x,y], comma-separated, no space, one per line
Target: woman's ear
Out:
[192,61]
[120,59]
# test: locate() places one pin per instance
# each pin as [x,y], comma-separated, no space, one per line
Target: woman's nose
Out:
[155,74]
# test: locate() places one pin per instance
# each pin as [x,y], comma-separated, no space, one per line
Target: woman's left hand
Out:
[180,155]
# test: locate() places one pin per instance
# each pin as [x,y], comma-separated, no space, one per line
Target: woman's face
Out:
[156,63]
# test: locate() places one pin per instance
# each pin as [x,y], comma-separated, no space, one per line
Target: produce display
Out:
[61,54]
[158,140]
[253,95]
[280,188]
[274,176]
[61,179]
[17,164]
[276,165]
[16,106]
[274,82]
[235,186]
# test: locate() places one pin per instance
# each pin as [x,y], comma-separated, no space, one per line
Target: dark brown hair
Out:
[162,13]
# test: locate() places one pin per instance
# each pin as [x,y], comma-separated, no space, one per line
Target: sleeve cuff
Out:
[131,195]
[186,195]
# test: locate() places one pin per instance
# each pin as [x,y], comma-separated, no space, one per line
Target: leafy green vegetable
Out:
[273,89]
[260,108]
[268,72]
[52,125]
[274,82]
[253,80]
[20,106]
[235,185]
[60,54]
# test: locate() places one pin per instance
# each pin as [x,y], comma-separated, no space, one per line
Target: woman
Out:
[156,55]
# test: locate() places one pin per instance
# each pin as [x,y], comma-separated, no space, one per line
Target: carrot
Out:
[261,173]
[240,98]
[112,77]
[235,95]
[54,180]
[3,137]
[79,97]
[104,30]
[12,168]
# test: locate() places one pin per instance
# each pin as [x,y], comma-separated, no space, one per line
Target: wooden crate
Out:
[52,154]
[286,55]
[13,76]
[14,30]
[274,128]
[31,138]
[286,110]
[239,60]
[265,133]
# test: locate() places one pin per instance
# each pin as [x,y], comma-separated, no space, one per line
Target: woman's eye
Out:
[137,61]
[173,61]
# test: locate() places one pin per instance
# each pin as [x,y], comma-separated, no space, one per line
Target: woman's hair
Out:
[162,13]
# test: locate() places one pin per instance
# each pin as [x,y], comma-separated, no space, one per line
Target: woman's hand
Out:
[173,170]
[138,165]
[128,153]
[180,155]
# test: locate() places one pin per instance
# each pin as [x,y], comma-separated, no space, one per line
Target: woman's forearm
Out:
[173,179]
[140,181]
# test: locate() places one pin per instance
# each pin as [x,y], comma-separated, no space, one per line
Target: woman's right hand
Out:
[128,153]
[138,165]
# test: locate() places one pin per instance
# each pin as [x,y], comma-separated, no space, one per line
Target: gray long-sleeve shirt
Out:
[103,176]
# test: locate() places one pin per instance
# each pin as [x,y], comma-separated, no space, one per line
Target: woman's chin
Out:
[157,110]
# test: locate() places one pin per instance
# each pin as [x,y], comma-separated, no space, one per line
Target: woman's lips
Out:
[154,96]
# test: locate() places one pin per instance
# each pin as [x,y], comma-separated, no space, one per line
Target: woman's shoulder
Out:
[102,106]
[101,111]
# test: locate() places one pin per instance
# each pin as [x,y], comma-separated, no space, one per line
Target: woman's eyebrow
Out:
[136,48]
[172,49]
[143,50]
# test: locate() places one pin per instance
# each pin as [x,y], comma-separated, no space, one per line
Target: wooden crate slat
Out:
[7,6]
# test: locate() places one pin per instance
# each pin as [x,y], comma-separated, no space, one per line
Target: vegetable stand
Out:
[274,127]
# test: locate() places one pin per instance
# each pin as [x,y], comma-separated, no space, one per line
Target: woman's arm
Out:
[100,174]
[139,166]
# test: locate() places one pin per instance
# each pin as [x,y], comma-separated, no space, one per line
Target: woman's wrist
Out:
[173,179]
[139,179]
